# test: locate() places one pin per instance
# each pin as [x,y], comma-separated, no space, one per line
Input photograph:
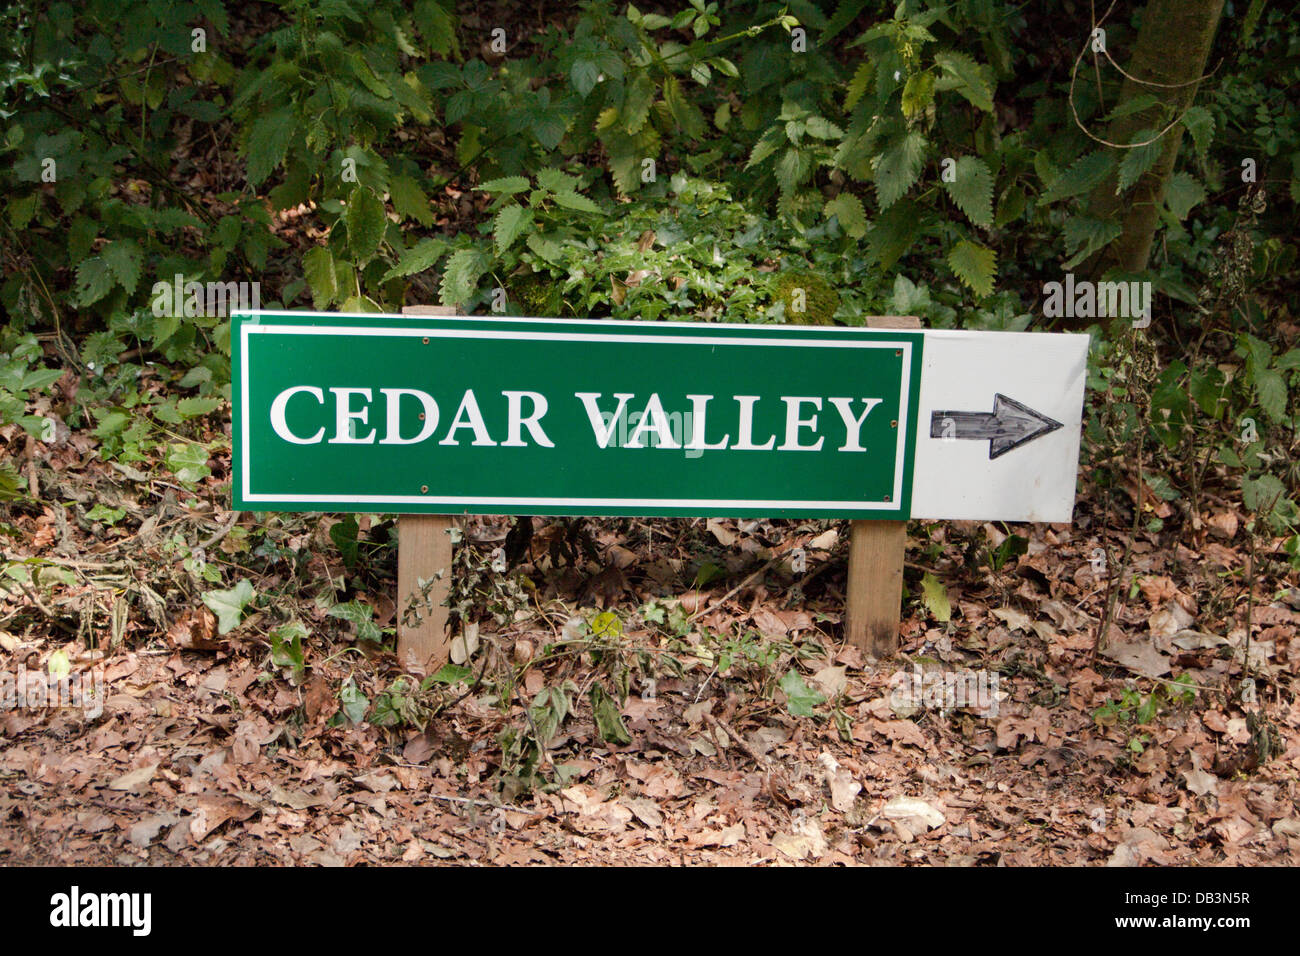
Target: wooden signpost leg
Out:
[874,591]
[423,554]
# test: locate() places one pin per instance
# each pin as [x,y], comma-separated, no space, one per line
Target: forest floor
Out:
[238,748]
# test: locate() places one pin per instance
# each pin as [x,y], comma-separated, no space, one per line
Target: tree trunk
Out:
[1173,46]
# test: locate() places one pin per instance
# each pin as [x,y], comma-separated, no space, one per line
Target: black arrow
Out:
[1010,425]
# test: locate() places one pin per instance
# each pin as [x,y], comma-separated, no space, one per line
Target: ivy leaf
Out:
[847,208]
[359,614]
[609,722]
[188,461]
[897,168]
[1083,175]
[229,606]
[972,190]
[366,222]
[974,265]
[354,703]
[460,279]
[123,259]
[964,75]
[418,258]
[1086,235]
[1137,160]
[510,221]
[268,141]
[409,200]
[197,406]
[800,699]
[935,598]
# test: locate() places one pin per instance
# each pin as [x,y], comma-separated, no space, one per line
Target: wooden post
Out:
[423,554]
[874,591]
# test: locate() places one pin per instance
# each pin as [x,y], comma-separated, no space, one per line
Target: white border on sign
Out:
[900,460]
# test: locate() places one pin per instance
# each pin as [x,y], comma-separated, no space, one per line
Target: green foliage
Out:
[229,605]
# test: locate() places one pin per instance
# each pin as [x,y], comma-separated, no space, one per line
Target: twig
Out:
[736,590]
[220,533]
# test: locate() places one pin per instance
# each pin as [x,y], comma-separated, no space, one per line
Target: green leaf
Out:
[609,722]
[1083,176]
[974,265]
[94,281]
[109,516]
[366,222]
[1200,123]
[361,615]
[552,180]
[847,208]
[894,233]
[409,200]
[859,85]
[897,168]
[1085,236]
[972,190]
[354,703]
[918,93]
[123,259]
[576,201]
[964,75]
[344,536]
[452,674]
[1137,160]
[418,258]
[1270,388]
[935,598]
[1182,193]
[199,405]
[229,606]
[323,276]
[1263,494]
[268,141]
[687,115]
[800,699]
[584,75]
[460,278]
[509,223]
[188,461]
[505,186]
[286,648]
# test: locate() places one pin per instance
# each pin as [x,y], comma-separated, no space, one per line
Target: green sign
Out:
[398,414]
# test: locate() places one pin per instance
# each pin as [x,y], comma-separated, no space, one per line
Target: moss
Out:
[809,299]
[537,295]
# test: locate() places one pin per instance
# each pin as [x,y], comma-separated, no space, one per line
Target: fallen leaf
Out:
[133,780]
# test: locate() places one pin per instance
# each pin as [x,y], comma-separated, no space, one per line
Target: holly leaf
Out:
[229,605]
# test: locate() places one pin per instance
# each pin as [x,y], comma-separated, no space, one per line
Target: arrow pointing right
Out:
[1010,425]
